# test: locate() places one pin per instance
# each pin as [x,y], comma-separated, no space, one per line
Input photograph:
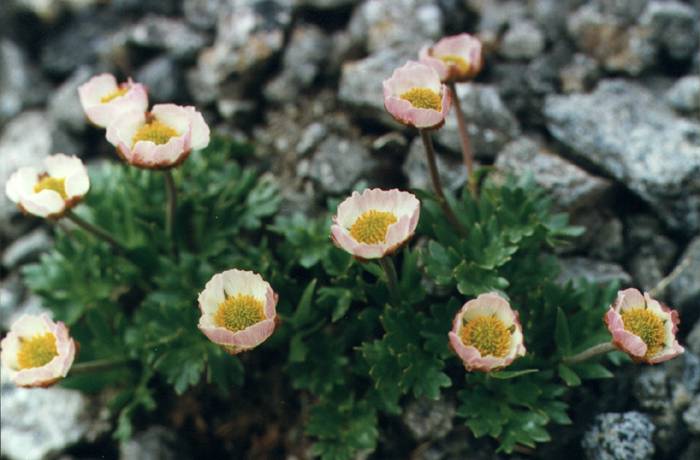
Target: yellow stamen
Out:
[643,323]
[154,131]
[371,227]
[52,183]
[238,312]
[37,351]
[423,98]
[488,334]
[458,61]
[115,94]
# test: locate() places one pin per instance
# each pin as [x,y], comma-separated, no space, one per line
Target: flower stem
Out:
[97,231]
[97,365]
[467,153]
[437,185]
[591,352]
[663,284]
[171,204]
[392,279]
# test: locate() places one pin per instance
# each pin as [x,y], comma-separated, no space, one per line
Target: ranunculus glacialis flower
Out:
[159,139]
[643,328]
[103,99]
[238,310]
[51,192]
[375,223]
[37,352]
[486,334]
[415,96]
[455,58]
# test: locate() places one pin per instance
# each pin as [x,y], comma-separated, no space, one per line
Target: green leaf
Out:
[303,314]
[506,375]
[590,371]
[569,376]
[561,333]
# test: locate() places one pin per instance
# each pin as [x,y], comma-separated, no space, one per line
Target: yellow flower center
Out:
[371,227]
[238,312]
[488,334]
[643,323]
[52,183]
[154,131]
[114,94]
[37,351]
[423,98]
[458,61]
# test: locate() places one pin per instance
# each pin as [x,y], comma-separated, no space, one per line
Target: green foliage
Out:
[344,343]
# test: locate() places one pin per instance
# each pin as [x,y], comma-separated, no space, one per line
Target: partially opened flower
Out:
[103,99]
[51,192]
[37,352]
[238,310]
[159,139]
[375,223]
[456,58]
[415,96]
[486,334]
[643,328]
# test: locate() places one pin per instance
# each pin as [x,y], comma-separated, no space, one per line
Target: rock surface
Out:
[607,129]
[452,172]
[684,96]
[592,271]
[523,40]
[684,290]
[429,420]
[619,437]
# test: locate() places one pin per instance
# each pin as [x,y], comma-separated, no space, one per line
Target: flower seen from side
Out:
[643,328]
[415,96]
[159,139]
[486,334]
[238,310]
[456,58]
[37,352]
[375,223]
[104,100]
[52,191]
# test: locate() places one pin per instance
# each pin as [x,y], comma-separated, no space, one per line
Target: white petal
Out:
[21,183]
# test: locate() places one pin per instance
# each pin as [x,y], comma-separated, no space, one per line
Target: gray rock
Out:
[607,242]
[154,443]
[684,95]
[692,451]
[361,83]
[607,128]
[580,75]
[551,16]
[202,14]
[383,24]
[570,186]
[311,137]
[26,248]
[675,27]
[427,419]
[11,292]
[453,174]
[651,252]
[338,164]
[693,339]
[303,58]
[163,78]
[25,141]
[64,104]
[31,305]
[684,290]
[171,35]
[146,6]
[691,417]
[628,11]
[523,40]
[489,123]
[326,4]
[20,84]
[39,423]
[592,271]
[249,34]
[617,46]
[619,437]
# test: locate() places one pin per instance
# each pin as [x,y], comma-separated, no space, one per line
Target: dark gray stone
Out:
[154,443]
[592,271]
[489,123]
[684,95]
[453,174]
[580,75]
[164,80]
[20,84]
[619,437]
[166,34]
[26,248]
[651,252]
[11,293]
[627,11]
[202,14]
[427,419]
[338,164]
[684,290]
[607,129]
[675,27]
[383,24]
[146,6]
[523,40]
[64,105]
[691,417]
[607,242]
[570,186]
[311,137]
[693,339]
